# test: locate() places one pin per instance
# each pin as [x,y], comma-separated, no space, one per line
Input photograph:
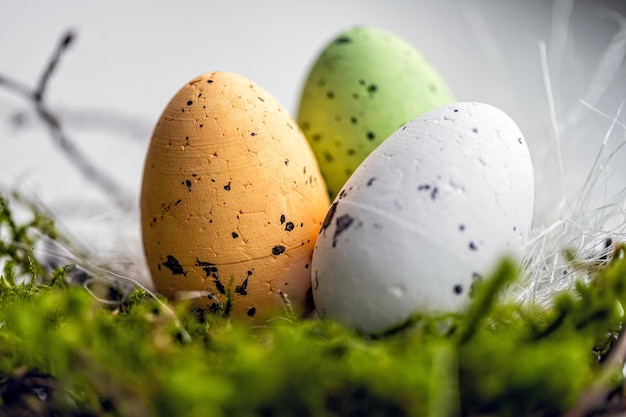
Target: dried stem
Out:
[80,160]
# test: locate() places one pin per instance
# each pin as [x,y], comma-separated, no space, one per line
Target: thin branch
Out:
[121,125]
[15,86]
[67,39]
[80,160]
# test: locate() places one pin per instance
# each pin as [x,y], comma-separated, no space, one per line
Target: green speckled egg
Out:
[365,85]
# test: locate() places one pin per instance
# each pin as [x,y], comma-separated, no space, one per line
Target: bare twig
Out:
[15,86]
[38,94]
[80,160]
[119,124]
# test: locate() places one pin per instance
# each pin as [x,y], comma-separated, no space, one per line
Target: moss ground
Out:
[62,352]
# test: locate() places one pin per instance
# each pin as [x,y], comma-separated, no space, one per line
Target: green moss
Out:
[139,359]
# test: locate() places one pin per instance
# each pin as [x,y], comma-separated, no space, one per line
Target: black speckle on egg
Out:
[220,287]
[286,162]
[372,88]
[328,157]
[282,218]
[362,82]
[189,103]
[461,227]
[343,40]
[227,186]
[235,235]
[278,249]
[330,95]
[433,193]
[306,266]
[456,110]
[251,311]
[173,265]
[423,187]
[371,181]
[289,226]
[351,151]
[329,217]
[209,268]
[370,135]
[209,81]
[353,120]
[475,129]
[458,289]
[472,246]
[252,134]
[241,289]
[343,222]
[316,137]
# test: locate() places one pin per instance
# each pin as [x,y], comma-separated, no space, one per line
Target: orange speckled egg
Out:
[232,200]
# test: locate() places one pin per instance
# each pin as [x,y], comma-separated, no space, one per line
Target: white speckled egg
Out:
[432,209]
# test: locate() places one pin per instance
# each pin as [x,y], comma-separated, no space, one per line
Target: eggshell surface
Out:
[431,210]
[365,84]
[232,200]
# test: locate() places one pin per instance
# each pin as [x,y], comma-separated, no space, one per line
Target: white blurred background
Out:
[130,58]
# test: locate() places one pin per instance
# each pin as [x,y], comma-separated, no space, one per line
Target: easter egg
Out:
[429,211]
[365,84]
[232,200]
